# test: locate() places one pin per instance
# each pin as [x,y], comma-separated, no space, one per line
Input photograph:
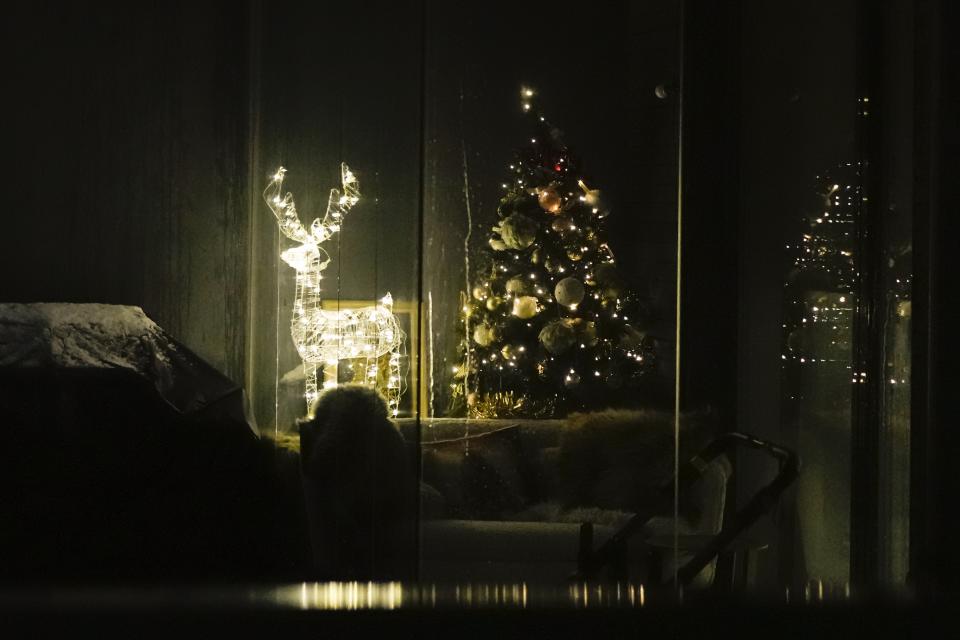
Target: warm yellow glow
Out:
[328,336]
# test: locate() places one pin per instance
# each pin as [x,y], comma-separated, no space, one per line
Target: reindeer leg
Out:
[393,382]
[310,373]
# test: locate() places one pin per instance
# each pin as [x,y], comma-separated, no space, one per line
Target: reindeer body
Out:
[324,337]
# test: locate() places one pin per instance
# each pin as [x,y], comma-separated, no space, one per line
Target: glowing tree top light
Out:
[325,337]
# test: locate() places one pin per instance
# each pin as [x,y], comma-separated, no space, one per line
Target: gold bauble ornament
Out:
[479,292]
[561,225]
[575,254]
[484,335]
[550,201]
[525,307]
[493,302]
[510,351]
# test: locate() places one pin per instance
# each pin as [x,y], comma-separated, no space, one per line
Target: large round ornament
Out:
[493,302]
[480,293]
[550,201]
[569,292]
[517,231]
[557,336]
[575,254]
[562,225]
[525,307]
[484,335]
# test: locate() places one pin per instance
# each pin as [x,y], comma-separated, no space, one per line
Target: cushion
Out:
[478,476]
[620,459]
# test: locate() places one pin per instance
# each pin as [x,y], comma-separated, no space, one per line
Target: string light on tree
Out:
[546,322]
[326,337]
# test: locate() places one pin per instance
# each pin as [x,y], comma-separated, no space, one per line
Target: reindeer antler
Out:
[285,209]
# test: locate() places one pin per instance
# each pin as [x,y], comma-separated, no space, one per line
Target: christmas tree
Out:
[549,325]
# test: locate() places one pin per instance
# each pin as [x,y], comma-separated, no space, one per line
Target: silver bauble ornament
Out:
[517,231]
[557,336]
[569,292]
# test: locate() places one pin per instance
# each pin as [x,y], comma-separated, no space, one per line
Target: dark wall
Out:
[126,134]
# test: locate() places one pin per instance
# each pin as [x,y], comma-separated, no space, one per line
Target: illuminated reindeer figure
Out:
[327,336]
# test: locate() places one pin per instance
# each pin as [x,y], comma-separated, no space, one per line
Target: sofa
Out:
[505,501]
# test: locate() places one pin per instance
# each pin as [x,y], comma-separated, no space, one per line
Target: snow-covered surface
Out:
[61,335]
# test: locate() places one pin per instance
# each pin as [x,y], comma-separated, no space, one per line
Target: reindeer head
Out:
[307,256]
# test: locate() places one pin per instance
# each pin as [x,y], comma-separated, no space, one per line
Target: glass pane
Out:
[818,198]
[800,202]
[335,271]
[549,287]
[895,305]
